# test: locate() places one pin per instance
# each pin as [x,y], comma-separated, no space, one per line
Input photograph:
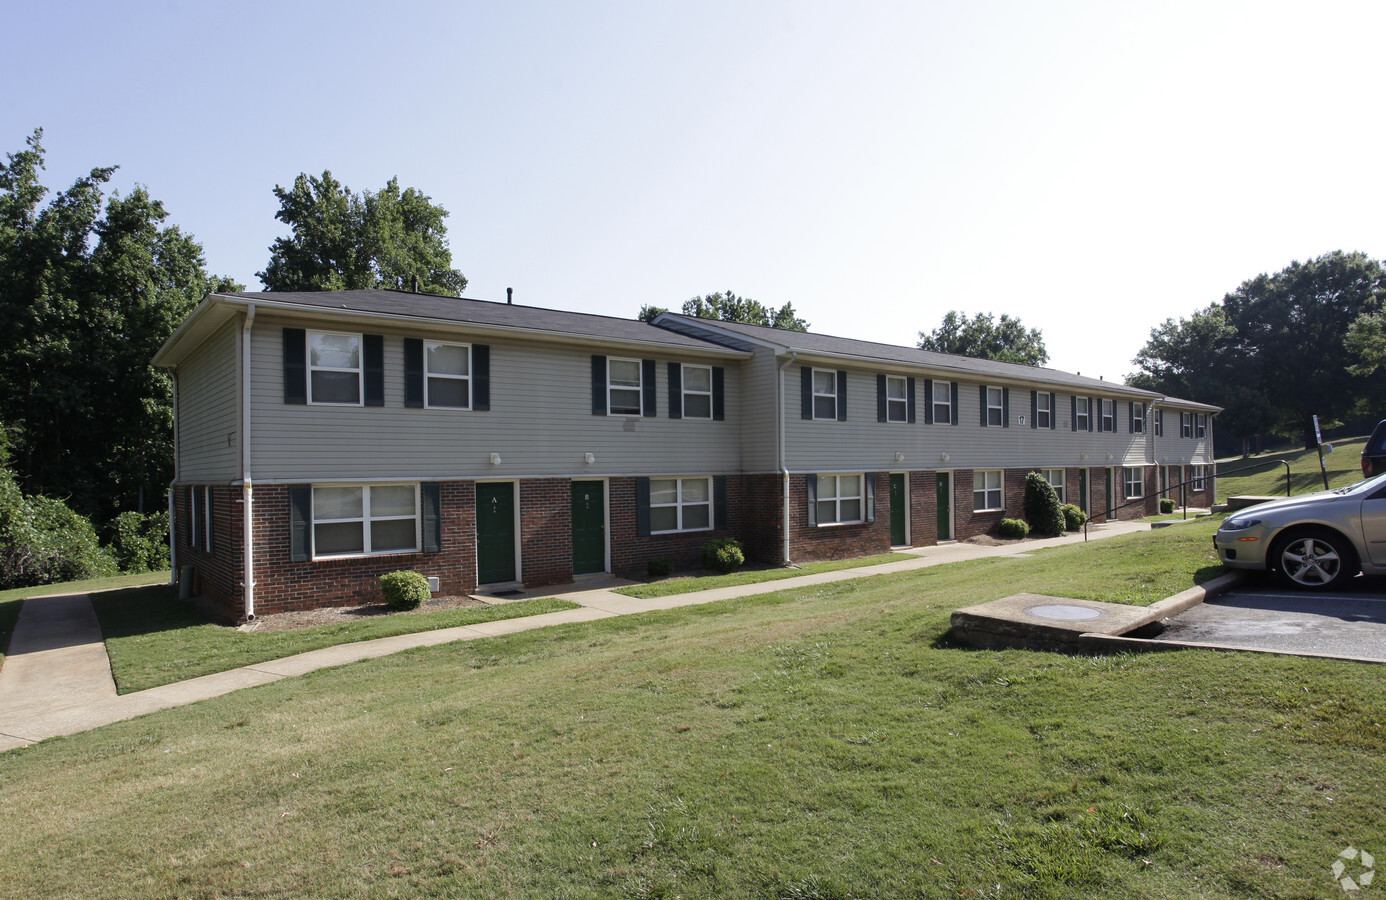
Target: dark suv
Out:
[1374,453]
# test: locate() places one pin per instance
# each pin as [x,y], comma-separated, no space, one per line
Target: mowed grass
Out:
[687,583]
[153,638]
[12,599]
[830,743]
[1344,466]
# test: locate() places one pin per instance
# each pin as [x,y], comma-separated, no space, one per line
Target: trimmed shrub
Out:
[140,543]
[659,567]
[1166,505]
[44,542]
[724,555]
[404,590]
[1042,508]
[1074,517]
[1012,528]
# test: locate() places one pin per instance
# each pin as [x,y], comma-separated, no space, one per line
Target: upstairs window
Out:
[897,399]
[623,387]
[825,394]
[448,375]
[1186,425]
[1159,417]
[1201,426]
[334,367]
[1137,418]
[943,402]
[697,392]
[1044,409]
[995,408]
[1108,415]
[1083,413]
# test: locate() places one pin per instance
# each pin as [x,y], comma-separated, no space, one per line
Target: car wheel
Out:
[1316,560]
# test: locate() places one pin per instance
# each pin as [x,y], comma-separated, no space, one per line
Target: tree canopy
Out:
[983,337]
[726,306]
[90,288]
[1280,348]
[341,240]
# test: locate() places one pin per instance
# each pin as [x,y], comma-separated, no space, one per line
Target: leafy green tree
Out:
[89,290]
[649,313]
[728,307]
[983,337]
[1366,343]
[342,240]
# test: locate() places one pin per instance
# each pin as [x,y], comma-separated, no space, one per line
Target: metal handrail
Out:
[1183,502]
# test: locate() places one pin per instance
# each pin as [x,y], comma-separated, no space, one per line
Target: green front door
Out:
[944,498]
[897,509]
[495,532]
[589,528]
[1083,489]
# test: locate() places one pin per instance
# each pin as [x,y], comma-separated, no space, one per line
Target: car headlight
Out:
[1239,524]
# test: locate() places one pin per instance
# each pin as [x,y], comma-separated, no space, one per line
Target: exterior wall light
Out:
[899,457]
[495,459]
[943,457]
[589,457]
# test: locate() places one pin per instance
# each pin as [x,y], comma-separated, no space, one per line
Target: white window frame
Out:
[1084,414]
[982,489]
[825,394]
[1159,416]
[360,369]
[946,402]
[429,376]
[366,519]
[1133,478]
[999,407]
[689,392]
[1200,426]
[1056,479]
[680,504]
[1108,421]
[612,387]
[835,496]
[1186,425]
[1044,412]
[1199,478]
[897,408]
[1137,418]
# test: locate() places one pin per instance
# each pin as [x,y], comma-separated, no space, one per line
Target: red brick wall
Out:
[923,512]
[546,531]
[809,543]
[630,552]
[758,517]
[217,575]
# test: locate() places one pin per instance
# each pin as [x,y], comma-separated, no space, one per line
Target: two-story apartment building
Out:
[323,439]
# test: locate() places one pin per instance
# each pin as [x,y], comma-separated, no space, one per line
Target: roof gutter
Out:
[782,446]
[247,493]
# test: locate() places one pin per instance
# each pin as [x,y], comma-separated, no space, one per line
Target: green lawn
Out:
[829,742]
[11,600]
[1344,467]
[154,638]
[685,584]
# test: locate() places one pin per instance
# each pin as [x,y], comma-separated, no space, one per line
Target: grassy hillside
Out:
[828,743]
[1344,466]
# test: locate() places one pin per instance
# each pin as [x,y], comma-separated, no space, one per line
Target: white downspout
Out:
[247,494]
[781,443]
[173,523]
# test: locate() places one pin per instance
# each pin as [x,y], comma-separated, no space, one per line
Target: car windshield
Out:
[1367,485]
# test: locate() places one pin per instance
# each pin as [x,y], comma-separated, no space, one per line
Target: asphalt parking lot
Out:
[1262,614]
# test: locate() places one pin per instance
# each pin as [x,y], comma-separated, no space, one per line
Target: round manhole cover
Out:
[1063,612]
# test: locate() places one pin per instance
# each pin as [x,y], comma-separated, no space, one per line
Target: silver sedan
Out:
[1317,541]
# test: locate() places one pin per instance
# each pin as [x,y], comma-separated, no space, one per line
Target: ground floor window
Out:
[680,504]
[839,499]
[1055,477]
[363,519]
[986,490]
[1135,483]
[1199,478]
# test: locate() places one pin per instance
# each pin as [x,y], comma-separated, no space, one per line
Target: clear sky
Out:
[1091,168]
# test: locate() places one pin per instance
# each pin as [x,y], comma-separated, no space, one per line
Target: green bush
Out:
[404,590]
[44,542]
[659,567]
[1166,505]
[1074,517]
[1012,528]
[140,542]
[1042,508]
[723,555]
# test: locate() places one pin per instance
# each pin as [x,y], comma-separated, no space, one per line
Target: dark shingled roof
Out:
[460,310]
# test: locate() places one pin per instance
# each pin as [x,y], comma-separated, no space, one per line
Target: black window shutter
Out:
[870,496]
[598,385]
[481,376]
[642,507]
[1073,412]
[928,401]
[719,401]
[1005,407]
[675,390]
[431,498]
[1131,417]
[811,492]
[953,413]
[982,401]
[909,400]
[806,392]
[300,522]
[719,501]
[841,395]
[880,398]
[647,387]
[1092,413]
[1053,411]
[295,365]
[413,373]
[373,358]
[1034,409]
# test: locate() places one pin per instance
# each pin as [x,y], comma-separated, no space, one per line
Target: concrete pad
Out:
[57,657]
[1041,622]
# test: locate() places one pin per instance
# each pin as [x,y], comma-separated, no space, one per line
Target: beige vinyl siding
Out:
[1173,450]
[209,410]
[759,431]
[540,421]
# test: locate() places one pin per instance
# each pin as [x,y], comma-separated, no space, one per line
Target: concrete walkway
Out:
[56,679]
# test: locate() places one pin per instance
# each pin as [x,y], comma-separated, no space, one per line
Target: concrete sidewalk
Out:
[56,679]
